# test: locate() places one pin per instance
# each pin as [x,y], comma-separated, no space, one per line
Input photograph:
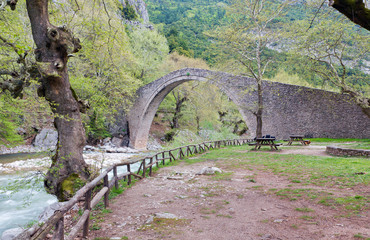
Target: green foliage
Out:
[169,135]
[128,12]
[150,49]
[115,192]
[176,43]
[9,120]
[96,128]
[72,184]
[191,19]
[102,73]
[336,51]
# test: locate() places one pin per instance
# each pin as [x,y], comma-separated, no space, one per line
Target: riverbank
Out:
[16,159]
[21,205]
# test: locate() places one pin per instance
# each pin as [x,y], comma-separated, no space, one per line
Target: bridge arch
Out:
[288,109]
[150,96]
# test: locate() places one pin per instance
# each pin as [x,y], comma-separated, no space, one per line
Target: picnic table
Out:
[297,138]
[265,142]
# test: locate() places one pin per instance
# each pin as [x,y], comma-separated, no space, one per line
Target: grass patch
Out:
[225,216]
[360,236]
[356,145]
[307,218]
[337,172]
[294,226]
[164,224]
[224,176]
[317,170]
[304,209]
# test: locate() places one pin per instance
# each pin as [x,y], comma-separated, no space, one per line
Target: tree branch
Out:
[355,11]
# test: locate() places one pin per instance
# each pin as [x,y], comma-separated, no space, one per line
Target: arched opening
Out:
[151,96]
[196,111]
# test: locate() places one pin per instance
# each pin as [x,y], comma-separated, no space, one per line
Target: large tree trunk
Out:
[259,110]
[53,46]
[177,114]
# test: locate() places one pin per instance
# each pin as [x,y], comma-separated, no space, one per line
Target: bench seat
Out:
[252,144]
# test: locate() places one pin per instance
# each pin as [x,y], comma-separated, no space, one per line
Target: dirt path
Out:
[311,150]
[233,208]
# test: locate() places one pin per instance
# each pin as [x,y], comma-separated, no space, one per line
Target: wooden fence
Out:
[56,221]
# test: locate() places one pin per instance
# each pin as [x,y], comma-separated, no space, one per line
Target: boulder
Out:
[122,150]
[107,141]
[117,142]
[11,234]
[49,211]
[153,144]
[46,138]
[209,171]
[165,215]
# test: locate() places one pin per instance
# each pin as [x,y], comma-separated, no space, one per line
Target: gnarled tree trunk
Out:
[354,10]
[54,44]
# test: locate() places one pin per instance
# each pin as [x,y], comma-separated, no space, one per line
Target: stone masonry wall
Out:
[337,151]
[291,109]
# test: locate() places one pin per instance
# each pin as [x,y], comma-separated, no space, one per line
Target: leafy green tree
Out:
[333,48]
[101,64]
[252,29]
[8,127]
[150,49]
[177,44]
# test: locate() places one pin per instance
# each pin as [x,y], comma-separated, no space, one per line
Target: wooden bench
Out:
[265,142]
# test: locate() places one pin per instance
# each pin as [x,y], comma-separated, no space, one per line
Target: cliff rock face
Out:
[140,8]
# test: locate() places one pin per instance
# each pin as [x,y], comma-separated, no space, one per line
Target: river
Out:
[25,198]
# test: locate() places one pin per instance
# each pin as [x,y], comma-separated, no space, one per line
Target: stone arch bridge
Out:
[288,109]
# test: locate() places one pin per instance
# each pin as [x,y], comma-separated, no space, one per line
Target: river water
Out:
[19,207]
[22,194]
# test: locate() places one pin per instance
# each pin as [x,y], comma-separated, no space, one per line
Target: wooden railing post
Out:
[156,161]
[129,176]
[171,156]
[151,167]
[87,207]
[106,195]
[59,230]
[115,177]
[163,160]
[181,153]
[144,167]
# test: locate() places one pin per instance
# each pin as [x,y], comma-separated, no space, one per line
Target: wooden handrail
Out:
[56,220]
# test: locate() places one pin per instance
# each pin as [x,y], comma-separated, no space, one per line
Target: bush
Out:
[169,136]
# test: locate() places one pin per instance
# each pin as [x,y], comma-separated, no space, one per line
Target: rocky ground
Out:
[176,203]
